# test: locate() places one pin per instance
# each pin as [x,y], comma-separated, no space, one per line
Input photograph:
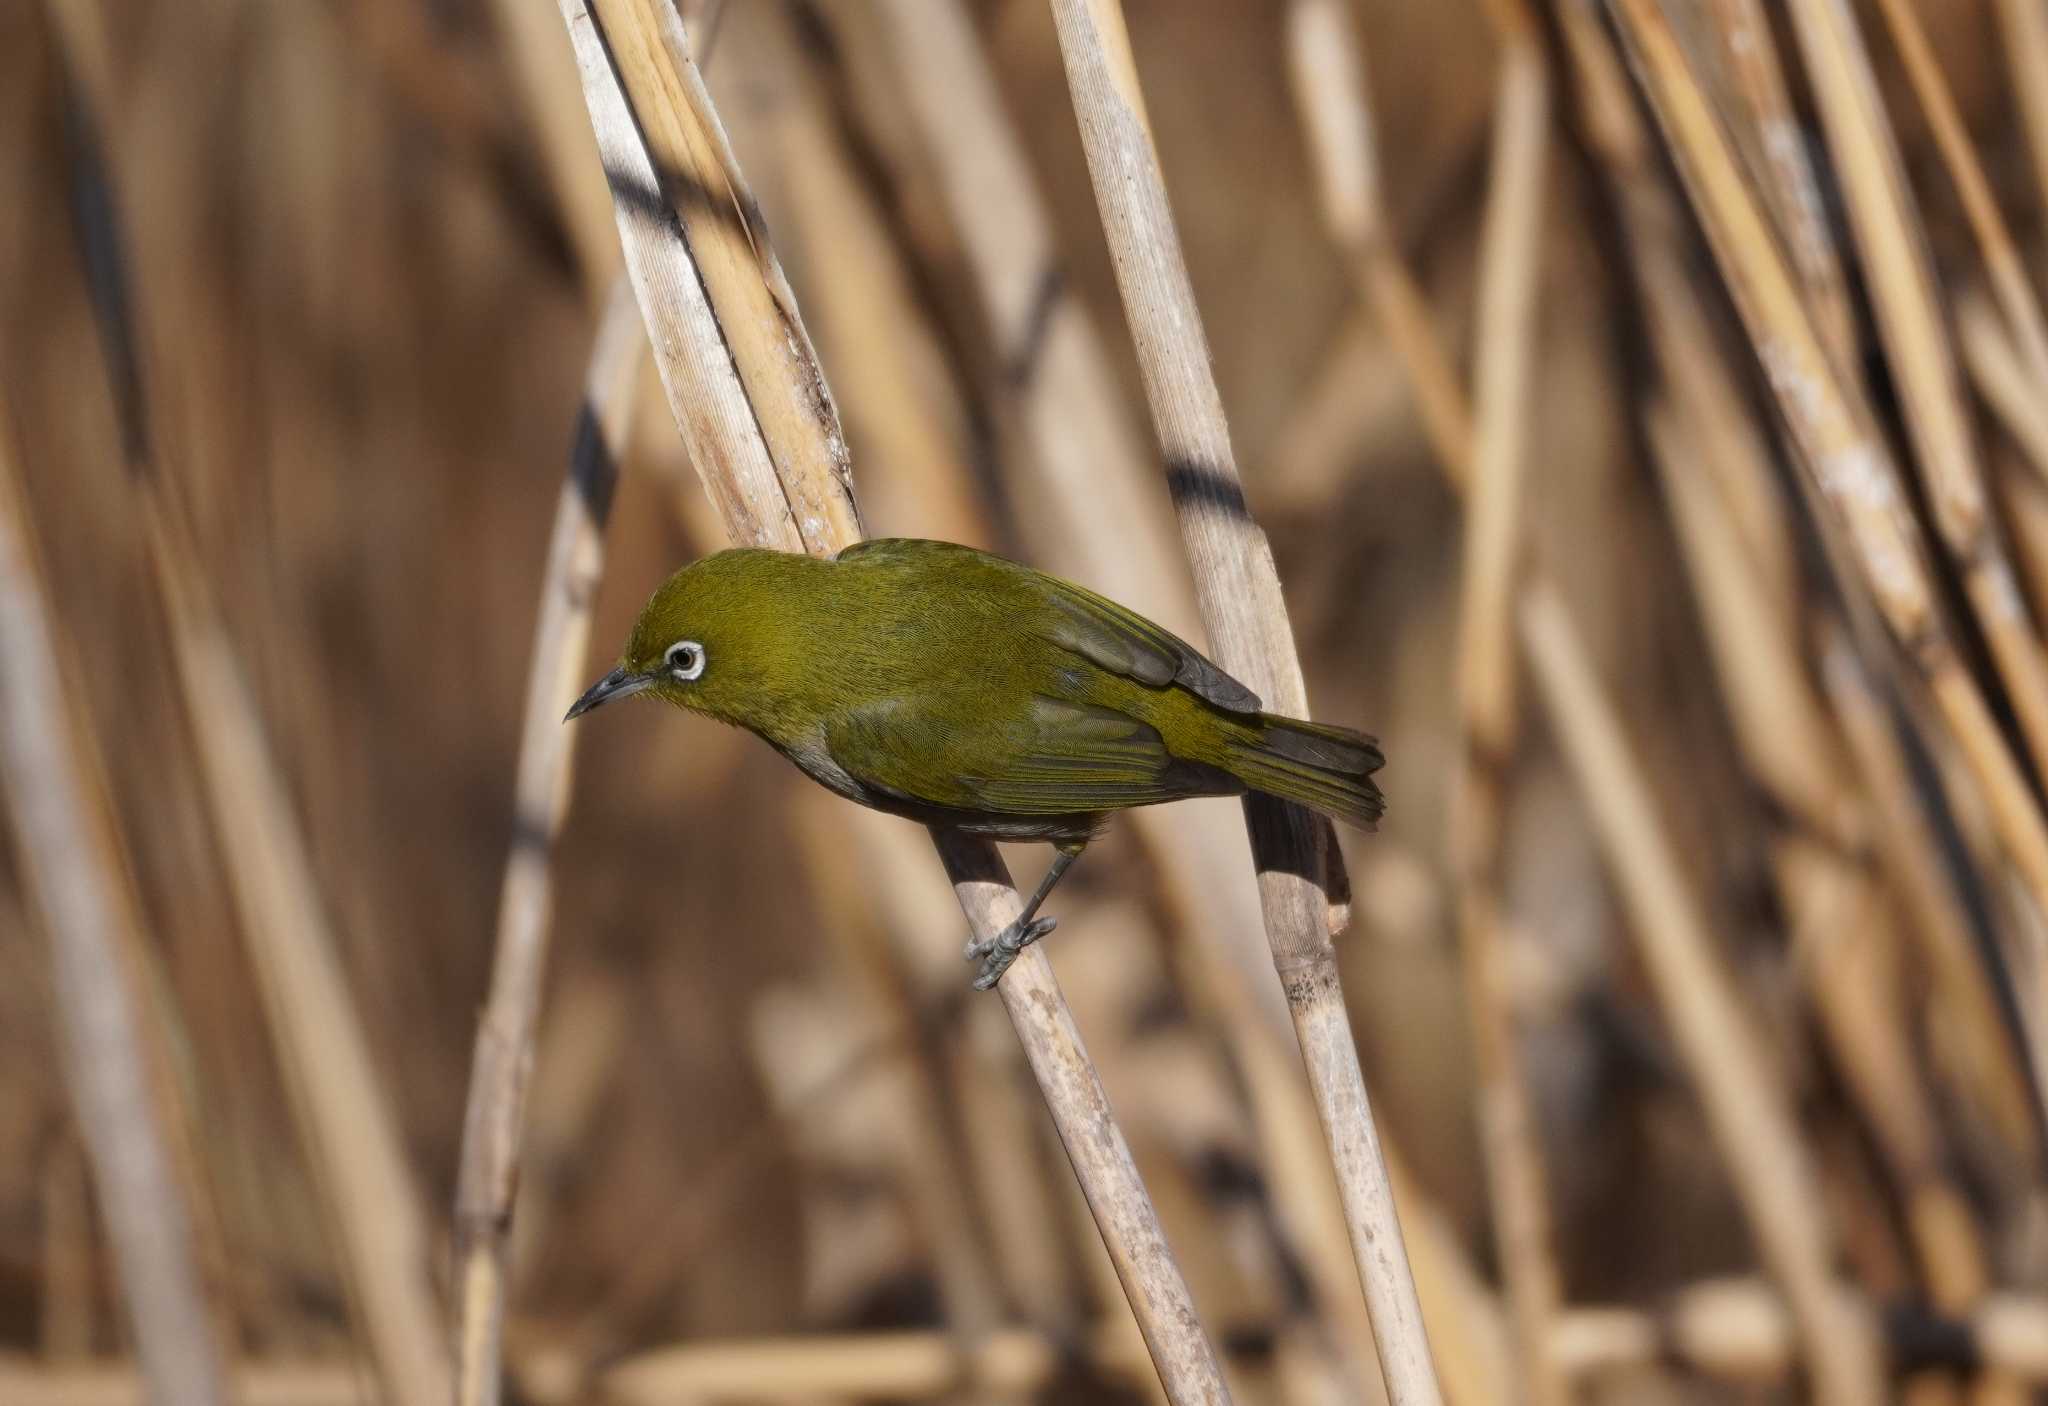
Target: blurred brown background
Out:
[368,303]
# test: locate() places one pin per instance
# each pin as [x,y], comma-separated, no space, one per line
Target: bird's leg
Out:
[996,954]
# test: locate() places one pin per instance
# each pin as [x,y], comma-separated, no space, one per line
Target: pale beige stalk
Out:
[1094,511]
[1776,139]
[502,1063]
[1239,593]
[345,1120]
[2024,27]
[1840,449]
[1510,269]
[1738,1329]
[345,1123]
[759,422]
[2009,282]
[1914,330]
[1326,67]
[64,840]
[1743,1099]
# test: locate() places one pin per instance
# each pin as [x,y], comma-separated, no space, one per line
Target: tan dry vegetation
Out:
[1643,407]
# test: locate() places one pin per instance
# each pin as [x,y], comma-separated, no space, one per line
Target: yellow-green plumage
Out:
[939,682]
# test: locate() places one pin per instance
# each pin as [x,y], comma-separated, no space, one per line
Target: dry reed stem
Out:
[351,1141]
[1786,175]
[1841,451]
[1738,1329]
[2001,376]
[924,1160]
[23,1383]
[985,1074]
[1745,593]
[1239,593]
[1910,851]
[2008,275]
[758,420]
[502,1062]
[1326,69]
[1826,893]
[2025,28]
[1510,268]
[1089,515]
[545,78]
[66,1261]
[1780,724]
[859,1367]
[64,840]
[1788,1240]
[1744,1103]
[1915,334]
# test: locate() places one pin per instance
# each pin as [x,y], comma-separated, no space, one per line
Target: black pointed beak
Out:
[619,683]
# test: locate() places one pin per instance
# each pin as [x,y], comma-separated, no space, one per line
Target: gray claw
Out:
[998,952]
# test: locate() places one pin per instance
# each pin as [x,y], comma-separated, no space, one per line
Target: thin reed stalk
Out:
[1239,593]
[1093,511]
[502,1064]
[759,422]
[2025,31]
[1778,152]
[115,1384]
[1742,1098]
[1845,458]
[345,1122]
[1738,1330]
[1748,591]
[2009,282]
[65,841]
[1510,269]
[1915,335]
[1326,67]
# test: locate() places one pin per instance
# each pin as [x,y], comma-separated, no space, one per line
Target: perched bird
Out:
[938,682]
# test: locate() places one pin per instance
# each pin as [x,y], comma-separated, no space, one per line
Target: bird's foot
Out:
[996,954]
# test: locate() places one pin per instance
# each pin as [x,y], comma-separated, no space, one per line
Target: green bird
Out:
[941,683]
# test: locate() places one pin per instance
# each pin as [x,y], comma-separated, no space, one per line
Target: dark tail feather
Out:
[1325,768]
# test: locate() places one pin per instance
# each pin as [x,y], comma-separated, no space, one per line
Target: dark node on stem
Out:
[101,250]
[1192,482]
[593,471]
[1921,1340]
[1020,367]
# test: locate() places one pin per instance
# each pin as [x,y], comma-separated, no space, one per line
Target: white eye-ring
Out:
[685,659]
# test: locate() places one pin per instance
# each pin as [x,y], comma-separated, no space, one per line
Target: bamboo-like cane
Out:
[2008,275]
[1739,1330]
[758,420]
[1094,511]
[503,1059]
[1757,641]
[1489,696]
[2025,29]
[1327,66]
[1239,593]
[1915,337]
[64,840]
[1778,152]
[345,1122]
[1840,448]
[1752,1117]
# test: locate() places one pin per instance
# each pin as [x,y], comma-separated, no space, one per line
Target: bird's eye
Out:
[685,659]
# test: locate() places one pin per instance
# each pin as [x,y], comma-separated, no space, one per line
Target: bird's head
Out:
[711,638]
